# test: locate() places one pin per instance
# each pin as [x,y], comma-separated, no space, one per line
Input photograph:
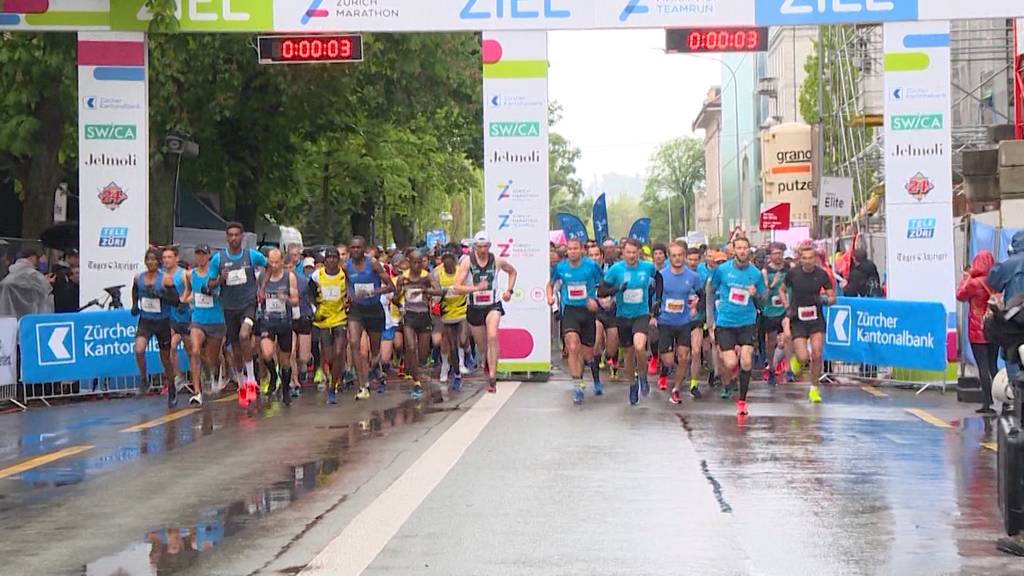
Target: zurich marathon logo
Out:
[633,7]
[505,220]
[505,190]
[921,228]
[314,11]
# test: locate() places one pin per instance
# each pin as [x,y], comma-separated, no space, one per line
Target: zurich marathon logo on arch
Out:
[314,11]
[512,192]
[815,12]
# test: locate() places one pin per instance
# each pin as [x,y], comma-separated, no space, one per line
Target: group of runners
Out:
[344,317]
[348,317]
[674,310]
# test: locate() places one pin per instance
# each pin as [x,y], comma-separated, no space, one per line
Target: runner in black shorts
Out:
[809,289]
[774,310]
[366,281]
[577,279]
[279,300]
[154,321]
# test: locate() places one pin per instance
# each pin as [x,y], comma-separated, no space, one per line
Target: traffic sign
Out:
[887,333]
[775,216]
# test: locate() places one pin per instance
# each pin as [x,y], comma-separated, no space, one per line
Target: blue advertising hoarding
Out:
[63,347]
[887,333]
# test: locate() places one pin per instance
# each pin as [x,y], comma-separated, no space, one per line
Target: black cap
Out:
[204,248]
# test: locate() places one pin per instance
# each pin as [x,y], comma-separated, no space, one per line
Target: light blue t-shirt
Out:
[578,284]
[206,309]
[634,301]
[735,305]
[678,294]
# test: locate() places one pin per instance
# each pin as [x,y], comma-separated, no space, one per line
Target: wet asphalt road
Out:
[855,486]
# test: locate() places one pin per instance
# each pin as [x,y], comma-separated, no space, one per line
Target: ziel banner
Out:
[516,188]
[918,164]
[882,332]
[113,164]
[60,347]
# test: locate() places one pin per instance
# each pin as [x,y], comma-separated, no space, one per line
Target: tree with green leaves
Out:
[675,173]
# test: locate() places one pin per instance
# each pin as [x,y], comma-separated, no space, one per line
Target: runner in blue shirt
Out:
[577,278]
[630,280]
[154,317]
[674,295]
[176,293]
[735,287]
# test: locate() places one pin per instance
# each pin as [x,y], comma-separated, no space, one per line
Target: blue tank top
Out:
[679,297]
[151,306]
[184,314]
[276,309]
[305,296]
[206,310]
[362,283]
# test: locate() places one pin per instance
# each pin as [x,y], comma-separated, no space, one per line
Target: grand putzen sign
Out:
[431,15]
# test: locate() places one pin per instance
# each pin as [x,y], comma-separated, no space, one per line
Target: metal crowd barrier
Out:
[885,376]
[99,387]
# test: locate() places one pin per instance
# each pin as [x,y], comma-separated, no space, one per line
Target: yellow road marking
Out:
[990,446]
[874,391]
[161,420]
[929,418]
[41,460]
[228,398]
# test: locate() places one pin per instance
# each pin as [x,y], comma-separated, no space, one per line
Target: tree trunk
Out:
[401,230]
[42,173]
[362,219]
[161,200]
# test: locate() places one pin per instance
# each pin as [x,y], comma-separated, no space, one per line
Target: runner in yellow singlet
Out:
[453,317]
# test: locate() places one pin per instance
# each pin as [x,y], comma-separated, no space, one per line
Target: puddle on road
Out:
[169,549]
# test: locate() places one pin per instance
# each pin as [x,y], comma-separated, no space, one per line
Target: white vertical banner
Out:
[8,352]
[918,165]
[515,70]
[113,163]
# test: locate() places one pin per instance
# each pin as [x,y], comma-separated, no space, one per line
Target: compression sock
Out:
[595,370]
[744,383]
[250,371]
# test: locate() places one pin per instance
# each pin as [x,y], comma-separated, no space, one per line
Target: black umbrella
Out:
[63,237]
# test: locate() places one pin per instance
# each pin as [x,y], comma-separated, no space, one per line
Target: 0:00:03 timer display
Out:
[310,49]
[717,40]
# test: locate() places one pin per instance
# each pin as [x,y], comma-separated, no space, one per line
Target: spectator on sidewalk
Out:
[863,280]
[26,290]
[65,293]
[975,291]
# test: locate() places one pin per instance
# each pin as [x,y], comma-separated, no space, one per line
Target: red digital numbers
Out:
[312,49]
[716,40]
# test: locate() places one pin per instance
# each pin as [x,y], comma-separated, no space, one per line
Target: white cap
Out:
[481,238]
[308,263]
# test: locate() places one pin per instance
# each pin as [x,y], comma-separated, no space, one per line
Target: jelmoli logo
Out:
[914,151]
[114,160]
[506,157]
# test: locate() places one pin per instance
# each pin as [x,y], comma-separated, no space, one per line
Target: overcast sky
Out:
[622,95]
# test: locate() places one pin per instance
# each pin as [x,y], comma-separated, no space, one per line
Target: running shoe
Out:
[445,369]
[645,386]
[492,386]
[363,394]
[675,398]
[634,392]
[297,392]
[286,396]
[318,377]
[772,379]
[662,382]
[382,387]
[614,371]
[332,396]
[598,389]
[602,364]
[814,395]
[577,396]
[172,396]
[726,392]
[196,400]
[456,383]
[695,392]
[265,385]
[463,369]
[652,366]
[741,408]
[417,391]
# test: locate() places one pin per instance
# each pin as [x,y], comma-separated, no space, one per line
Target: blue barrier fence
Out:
[881,332]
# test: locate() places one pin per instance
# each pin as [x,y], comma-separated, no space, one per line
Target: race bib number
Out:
[633,296]
[364,290]
[203,300]
[296,313]
[807,313]
[237,277]
[577,291]
[739,296]
[483,298]
[331,293]
[777,301]
[675,306]
[150,305]
[414,296]
[275,306]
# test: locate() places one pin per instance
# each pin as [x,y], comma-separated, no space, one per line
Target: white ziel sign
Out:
[113,169]
[516,188]
[836,197]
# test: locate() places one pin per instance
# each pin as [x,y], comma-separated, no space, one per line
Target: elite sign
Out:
[61,347]
[887,333]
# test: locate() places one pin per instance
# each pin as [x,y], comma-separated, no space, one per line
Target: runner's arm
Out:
[460,286]
[509,269]
[709,289]
[293,288]
[656,295]
[135,298]
[386,285]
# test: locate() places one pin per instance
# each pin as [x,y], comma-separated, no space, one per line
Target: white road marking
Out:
[361,541]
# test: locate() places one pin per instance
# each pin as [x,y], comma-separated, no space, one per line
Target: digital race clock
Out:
[696,40]
[302,49]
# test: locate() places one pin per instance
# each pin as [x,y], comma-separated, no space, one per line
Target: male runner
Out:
[734,324]
[629,281]
[577,278]
[329,290]
[607,325]
[366,281]
[453,320]
[659,255]
[676,288]
[176,286]
[237,271]
[774,311]
[415,286]
[279,297]
[208,328]
[154,320]
[698,307]
[485,310]
[810,288]
[302,350]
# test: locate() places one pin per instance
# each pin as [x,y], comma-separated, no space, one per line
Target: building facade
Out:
[708,201]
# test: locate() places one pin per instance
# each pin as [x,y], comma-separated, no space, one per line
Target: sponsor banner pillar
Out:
[918,165]
[113,163]
[515,88]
